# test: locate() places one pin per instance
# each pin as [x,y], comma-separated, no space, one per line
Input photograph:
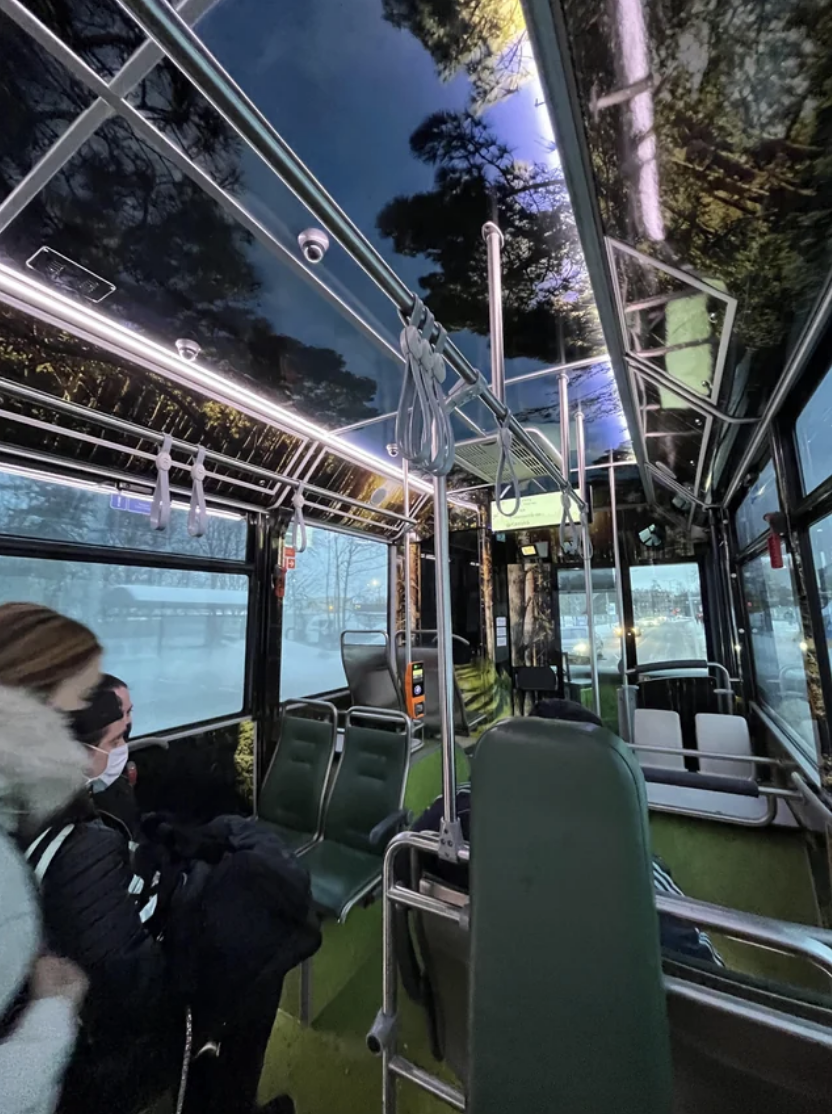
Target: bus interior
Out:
[370,373]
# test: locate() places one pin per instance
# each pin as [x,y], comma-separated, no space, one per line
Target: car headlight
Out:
[581,648]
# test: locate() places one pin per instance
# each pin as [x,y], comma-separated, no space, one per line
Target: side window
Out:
[33,506]
[814,446]
[778,646]
[340,583]
[761,500]
[177,637]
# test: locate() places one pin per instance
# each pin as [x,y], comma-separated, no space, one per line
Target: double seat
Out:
[338,822]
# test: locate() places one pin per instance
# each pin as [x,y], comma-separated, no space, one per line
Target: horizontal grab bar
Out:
[805,941]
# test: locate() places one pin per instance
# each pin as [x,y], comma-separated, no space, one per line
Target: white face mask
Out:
[116,761]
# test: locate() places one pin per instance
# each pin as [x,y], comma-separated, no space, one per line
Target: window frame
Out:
[802,511]
[46,550]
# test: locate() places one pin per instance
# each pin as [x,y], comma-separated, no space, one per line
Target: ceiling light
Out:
[33,298]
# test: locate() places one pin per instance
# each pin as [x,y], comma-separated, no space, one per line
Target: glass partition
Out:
[339,584]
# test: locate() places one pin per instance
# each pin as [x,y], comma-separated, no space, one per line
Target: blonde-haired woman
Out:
[48,665]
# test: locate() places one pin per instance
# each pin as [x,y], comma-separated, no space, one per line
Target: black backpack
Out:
[241,913]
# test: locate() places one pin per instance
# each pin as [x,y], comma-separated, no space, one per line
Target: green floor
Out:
[327,1068]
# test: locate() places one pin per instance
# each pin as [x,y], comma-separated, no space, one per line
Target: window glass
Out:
[778,645]
[574,638]
[667,613]
[760,500]
[72,511]
[340,583]
[814,447]
[176,637]
[820,537]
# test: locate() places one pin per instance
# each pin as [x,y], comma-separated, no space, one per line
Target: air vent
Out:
[481,457]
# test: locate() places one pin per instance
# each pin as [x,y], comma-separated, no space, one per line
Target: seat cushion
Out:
[340,875]
[295,841]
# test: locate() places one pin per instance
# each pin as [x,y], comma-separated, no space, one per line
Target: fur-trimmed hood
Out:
[42,766]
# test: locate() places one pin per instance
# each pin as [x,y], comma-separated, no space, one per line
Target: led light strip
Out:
[33,298]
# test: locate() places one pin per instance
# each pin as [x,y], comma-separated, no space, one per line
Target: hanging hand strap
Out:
[160,508]
[506,458]
[424,433]
[297,528]
[569,540]
[585,548]
[198,512]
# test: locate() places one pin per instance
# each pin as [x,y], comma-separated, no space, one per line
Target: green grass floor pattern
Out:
[327,1068]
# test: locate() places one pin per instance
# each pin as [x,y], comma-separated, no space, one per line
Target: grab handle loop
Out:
[424,434]
[569,538]
[506,458]
[160,507]
[297,529]
[198,512]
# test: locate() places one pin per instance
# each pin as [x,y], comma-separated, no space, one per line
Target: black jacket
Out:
[91,917]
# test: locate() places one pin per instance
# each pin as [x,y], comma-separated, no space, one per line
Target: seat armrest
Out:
[384,830]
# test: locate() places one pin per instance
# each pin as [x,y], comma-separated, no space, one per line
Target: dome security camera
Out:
[393,449]
[188,349]
[314,243]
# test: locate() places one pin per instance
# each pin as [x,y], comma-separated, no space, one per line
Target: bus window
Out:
[778,645]
[812,434]
[176,636]
[667,613]
[36,506]
[820,537]
[760,500]
[339,583]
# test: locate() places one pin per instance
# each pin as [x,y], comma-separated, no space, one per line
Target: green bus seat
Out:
[363,813]
[291,799]
[567,1008]
[369,671]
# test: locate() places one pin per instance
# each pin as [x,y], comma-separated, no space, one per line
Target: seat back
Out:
[370,782]
[655,728]
[567,1009]
[369,674]
[292,793]
[725,735]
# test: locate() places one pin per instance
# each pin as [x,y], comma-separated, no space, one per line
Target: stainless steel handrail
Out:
[805,941]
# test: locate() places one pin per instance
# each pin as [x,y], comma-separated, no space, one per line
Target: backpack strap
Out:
[40,853]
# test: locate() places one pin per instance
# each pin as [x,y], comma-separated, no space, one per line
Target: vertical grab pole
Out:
[450,835]
[565,448]
[619,595]
[580,446]
[408,618]
[494,242]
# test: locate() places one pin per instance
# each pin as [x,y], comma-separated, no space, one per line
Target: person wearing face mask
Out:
[92,914]
[48,663]
[105,727]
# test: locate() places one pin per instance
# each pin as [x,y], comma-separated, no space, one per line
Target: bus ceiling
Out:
[695,156]
[223,297]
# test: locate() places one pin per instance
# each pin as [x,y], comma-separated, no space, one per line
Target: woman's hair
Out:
[39,649]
